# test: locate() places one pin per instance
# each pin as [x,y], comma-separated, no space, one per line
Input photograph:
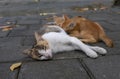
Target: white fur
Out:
[60,41]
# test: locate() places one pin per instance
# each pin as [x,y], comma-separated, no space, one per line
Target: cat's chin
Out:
[46,53]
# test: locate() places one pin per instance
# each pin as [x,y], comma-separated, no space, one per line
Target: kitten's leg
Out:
[81,46]
[89,40]
[98,49]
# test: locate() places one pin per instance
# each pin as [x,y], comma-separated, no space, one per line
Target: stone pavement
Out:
[67,65]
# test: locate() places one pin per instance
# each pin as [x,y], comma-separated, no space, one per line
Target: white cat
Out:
[52,39]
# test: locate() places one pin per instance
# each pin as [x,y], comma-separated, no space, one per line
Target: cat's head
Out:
[65,22]
[41,50]
[32,53]
[42,46]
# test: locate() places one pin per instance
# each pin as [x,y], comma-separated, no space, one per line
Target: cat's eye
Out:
[72,25]
[40,47]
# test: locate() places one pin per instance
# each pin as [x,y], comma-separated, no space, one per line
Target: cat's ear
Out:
[37,36]
[66,17]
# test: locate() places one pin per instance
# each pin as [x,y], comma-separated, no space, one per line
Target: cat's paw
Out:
[44,58]
[92,55]
[100,50]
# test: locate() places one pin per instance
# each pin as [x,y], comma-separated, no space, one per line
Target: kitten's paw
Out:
[100,50]
[92,55]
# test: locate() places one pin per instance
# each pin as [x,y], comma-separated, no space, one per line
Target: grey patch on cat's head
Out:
[47,29]
[53,29]
[51,23]
[33,53]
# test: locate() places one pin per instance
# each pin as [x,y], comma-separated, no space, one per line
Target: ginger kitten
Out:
[86,30]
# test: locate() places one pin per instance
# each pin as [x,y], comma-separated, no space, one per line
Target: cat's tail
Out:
[107,41]
[104,37]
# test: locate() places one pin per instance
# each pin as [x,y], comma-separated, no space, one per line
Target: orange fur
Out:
[84,29]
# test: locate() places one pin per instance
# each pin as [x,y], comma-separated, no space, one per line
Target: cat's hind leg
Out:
[81,46]
[98,49]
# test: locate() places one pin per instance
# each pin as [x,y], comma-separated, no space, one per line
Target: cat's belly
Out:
[60,48]
[54,37]
[58,42]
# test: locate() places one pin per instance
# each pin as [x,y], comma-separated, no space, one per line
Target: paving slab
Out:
[59,69]
[23,22]
[115,49]
[7,20]
[5,72]
[11,41]
[99,16]
[4,33]
[21,33]
[10,54]
[114,22]
[69,55]
[28,41]
[115,10]
[114,35]
[35,27]
[24,30]
[106,67]
[34,7]
[108,27]
[18,8]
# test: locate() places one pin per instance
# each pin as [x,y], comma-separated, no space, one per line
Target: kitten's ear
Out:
[65,17]
[37,36]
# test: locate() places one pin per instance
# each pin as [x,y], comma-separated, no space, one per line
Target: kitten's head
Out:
[58,20]
[65,22]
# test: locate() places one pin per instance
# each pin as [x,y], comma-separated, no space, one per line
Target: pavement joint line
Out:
[8,33]
[67,58]
[20,36]
[112,54]
[17,76]
[22,41]
[15,36]
[86,69]
[32,60]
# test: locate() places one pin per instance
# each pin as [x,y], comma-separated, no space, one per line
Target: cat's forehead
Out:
[42,42]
